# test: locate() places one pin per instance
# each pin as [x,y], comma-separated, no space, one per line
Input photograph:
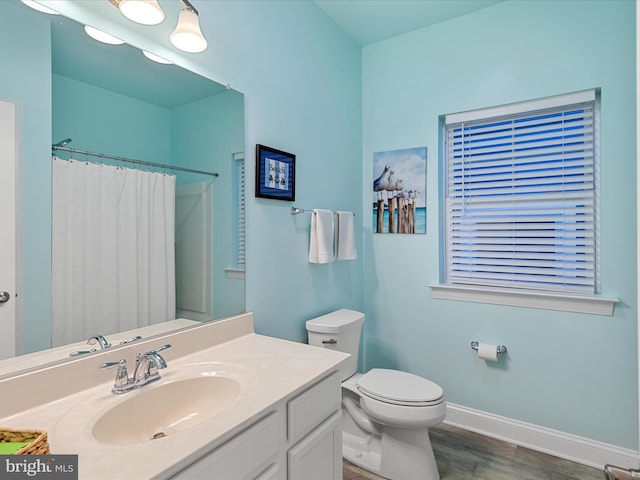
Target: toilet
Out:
[386,414]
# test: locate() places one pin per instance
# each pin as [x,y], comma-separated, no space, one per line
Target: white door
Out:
[193,250]
[8,244]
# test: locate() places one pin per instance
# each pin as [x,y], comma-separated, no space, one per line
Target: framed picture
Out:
[275,174]
[399,198]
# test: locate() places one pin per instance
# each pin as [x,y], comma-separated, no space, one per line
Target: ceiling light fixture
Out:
[39,7]
[101,36]
[146,12]
[156,58]
[187,35]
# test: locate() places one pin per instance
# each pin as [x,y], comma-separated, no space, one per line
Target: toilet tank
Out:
[339,330]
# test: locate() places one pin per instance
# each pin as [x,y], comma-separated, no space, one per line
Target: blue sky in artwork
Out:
[409,165]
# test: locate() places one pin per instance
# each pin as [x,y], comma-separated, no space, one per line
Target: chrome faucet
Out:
[146,371]
[99,339]
[147,366]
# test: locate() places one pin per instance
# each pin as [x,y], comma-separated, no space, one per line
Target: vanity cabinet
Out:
[251,454]
[300,439]
[315,432]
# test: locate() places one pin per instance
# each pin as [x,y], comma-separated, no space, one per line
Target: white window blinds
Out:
[240,204]
[520,196]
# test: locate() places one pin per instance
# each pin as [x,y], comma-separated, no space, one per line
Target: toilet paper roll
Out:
[488,352]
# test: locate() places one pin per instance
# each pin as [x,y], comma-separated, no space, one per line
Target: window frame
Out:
[237,271]
[515,294]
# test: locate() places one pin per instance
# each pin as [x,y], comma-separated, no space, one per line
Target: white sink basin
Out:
[165,409]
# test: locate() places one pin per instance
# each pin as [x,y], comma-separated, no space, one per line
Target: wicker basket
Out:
[38,445]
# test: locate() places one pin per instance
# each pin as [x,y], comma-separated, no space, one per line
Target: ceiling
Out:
[129,73]
[123,69]
[370,21]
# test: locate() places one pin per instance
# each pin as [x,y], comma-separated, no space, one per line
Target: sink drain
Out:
[158,435]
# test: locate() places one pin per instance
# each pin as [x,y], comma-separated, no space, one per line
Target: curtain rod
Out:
[129,160]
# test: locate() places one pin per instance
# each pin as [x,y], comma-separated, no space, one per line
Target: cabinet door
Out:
[249,455]
[318,456]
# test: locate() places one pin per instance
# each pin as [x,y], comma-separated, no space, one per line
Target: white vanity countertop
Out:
[276,369]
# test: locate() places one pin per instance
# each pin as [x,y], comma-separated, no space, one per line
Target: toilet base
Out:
[360,452]
[397,454]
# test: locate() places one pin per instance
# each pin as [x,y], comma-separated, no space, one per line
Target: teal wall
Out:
[301,76]
[25,46]
[204,136]
[102,121]
[571,372]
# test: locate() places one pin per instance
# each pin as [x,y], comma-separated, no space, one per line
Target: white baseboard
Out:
[571,447]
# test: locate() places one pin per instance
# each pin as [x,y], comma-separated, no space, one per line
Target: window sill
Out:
[237,273]
[569,303]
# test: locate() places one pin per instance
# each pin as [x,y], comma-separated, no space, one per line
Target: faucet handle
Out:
[148,364]
[159,349]
[154,355]
[122,375]
[82,352]
[156,361]
[124,342]
[113,364]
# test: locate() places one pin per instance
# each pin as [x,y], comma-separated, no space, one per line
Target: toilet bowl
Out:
[386,413]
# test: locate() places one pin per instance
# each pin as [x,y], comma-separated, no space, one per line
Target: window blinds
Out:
[520,200]
[240,231]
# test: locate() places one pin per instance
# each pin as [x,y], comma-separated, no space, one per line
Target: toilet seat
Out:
[400,399]
[399,388]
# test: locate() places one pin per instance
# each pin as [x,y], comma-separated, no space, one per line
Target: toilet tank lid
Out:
[336,322]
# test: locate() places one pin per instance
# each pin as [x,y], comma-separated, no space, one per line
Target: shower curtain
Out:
[112,249]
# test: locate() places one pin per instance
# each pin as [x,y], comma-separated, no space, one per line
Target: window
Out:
[520,202]
[240,230]
[238,206]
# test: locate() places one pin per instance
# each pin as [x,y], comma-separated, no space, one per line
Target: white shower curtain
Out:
[112,250]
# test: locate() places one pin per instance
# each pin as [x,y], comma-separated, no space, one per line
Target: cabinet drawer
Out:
[246,456]
[311,408]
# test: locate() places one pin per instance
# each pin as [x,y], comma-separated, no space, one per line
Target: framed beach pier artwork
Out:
[399,197]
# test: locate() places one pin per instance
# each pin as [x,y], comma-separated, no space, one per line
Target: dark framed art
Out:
[275,174]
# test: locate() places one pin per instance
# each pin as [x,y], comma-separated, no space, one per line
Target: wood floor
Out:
[463,455]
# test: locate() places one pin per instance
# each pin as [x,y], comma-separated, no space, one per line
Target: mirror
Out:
[98,93]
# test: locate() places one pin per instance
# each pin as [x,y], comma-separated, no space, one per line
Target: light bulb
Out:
[156,58]
[101,36]
[187,35]
[146,12]
[39,7]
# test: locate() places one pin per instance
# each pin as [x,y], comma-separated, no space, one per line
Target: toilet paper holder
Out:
[499,348]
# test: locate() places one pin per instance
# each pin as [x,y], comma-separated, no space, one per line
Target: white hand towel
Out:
[322,233]
[345,238]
